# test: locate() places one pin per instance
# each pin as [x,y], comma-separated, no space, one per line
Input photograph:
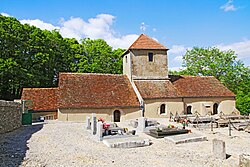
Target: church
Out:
[144,89]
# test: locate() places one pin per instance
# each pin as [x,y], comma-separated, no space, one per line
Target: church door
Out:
[117,116]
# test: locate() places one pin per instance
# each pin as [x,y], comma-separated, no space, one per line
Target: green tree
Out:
[225,67]
[96,56]
[214,62]
[31,57]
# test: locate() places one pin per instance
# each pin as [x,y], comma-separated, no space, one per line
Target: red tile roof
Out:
[44,99]
[78,90]
[145,42]
[196,86]
[156,89]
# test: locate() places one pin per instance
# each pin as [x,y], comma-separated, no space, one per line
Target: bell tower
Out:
[146,59]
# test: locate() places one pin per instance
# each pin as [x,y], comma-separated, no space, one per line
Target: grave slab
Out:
[124,141]
[185,138]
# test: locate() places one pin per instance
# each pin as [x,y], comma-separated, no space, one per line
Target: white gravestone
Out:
[93,124]
[99,131]
[141,124]
[88,126]
[219,149]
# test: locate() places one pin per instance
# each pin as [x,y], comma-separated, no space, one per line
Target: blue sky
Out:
[177,24]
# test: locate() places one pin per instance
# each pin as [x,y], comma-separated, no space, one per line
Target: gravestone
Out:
[244,160]
[141,124]
[219,149]
[88,126]
[93,123]
[99,131]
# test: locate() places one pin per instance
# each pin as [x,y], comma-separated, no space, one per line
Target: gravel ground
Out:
[59,144]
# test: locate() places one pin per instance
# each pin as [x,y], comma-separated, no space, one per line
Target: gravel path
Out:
[59,144]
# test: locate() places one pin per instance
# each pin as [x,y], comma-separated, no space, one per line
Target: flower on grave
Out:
[101,120]
[106,126]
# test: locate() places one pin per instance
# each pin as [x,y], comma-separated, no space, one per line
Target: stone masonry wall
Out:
[10,116]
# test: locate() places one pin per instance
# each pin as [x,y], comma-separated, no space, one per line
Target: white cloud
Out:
[100,27]
[5,14]
[229,6]
[154,29]
[40,24]
[178,59]
[178,49]
[242,49]
[176,68]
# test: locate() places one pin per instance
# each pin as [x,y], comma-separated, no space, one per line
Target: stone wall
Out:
[142,68]
[10,116]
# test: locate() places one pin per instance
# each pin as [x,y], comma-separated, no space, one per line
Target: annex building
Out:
[144,89]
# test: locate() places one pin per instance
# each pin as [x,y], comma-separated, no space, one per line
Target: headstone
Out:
[219,149]
[141,124]
[99,131]
[244,160]
[93,124]
[88,123]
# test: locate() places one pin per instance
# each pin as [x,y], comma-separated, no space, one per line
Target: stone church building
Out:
[144,89]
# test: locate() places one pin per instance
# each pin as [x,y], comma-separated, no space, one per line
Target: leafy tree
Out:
[220,64]
[96,56]
[31,57]
[225,67]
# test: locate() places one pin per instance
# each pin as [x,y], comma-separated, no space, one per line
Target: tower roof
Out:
[145,42]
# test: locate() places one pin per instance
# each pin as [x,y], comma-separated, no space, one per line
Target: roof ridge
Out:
[74,73]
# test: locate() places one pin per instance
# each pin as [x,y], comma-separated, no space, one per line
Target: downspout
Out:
[139,98]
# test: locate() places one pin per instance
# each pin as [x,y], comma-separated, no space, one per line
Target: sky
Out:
[177,24]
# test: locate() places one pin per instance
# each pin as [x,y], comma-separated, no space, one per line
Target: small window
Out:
[150,57]
[126,59]
[163,109]
[189,108]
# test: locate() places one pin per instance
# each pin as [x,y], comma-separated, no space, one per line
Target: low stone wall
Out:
[10,116]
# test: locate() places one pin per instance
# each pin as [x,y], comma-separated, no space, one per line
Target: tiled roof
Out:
[44,99]
[156,89]
[196,86]
[145,42]
[78,90]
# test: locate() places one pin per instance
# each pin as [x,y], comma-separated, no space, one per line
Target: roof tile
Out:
[197,86]
[44,99]
[77,90]
[145,42]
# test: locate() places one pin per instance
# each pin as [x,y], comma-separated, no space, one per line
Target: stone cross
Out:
[219,149]
[88,126]
[99,131]
[93,123]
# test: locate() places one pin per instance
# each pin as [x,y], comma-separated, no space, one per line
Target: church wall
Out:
[141,67]
[204,106]
[127,65]
[152,107]
[79,115]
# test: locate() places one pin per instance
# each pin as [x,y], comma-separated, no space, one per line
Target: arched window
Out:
[189,108]
[215,108]
[163,109]
[117,116]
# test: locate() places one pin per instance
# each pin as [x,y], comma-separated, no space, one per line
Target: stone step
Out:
[185,138]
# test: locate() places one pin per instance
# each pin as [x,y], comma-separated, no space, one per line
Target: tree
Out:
[220,64]
[225,67]
[31,57]
[96,56]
